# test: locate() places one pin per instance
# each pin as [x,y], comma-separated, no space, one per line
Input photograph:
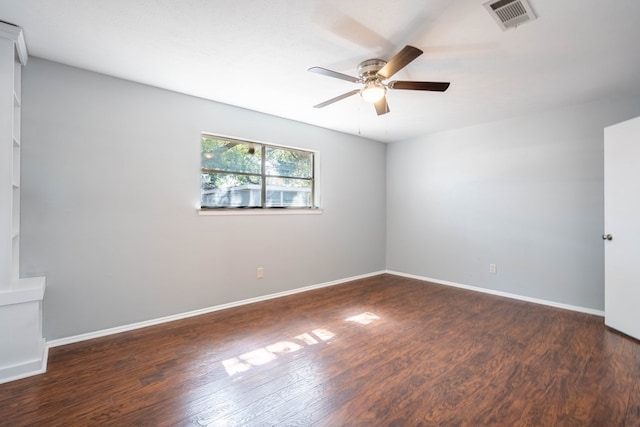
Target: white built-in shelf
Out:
[15,179]
[24,290]
[11,229]
[22,350]
[16,124]
[15,224]
[15,250]
[17,79]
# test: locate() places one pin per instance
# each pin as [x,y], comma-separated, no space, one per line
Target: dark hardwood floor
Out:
[384,351]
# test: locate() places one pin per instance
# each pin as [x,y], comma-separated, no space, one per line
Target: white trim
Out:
[179,316]
[14,33]
[26,369]
[28,289]
[502,294]
[266,211]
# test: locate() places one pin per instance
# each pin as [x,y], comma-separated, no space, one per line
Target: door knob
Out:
[607,237]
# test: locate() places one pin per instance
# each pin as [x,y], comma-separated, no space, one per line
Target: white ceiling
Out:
[255,54]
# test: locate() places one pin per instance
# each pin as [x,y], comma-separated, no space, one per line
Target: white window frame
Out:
[263,210]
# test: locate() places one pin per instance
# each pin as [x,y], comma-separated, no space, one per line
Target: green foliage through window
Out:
[243,174]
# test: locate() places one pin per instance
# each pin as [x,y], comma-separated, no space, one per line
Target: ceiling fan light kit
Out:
[372,75]
[373,91]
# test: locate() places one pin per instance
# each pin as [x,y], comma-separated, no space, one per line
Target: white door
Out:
[622,227]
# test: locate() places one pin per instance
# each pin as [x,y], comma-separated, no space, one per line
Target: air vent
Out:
[510,13]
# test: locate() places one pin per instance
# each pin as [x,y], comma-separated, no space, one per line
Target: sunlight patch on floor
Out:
[264,355]
[363,318]
[269,353]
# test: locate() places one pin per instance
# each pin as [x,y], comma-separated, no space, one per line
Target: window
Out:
[245,174]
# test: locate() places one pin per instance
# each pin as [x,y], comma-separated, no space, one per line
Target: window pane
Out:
[287,192]
[246,174]
[230,155]
[291,163]
[219,190]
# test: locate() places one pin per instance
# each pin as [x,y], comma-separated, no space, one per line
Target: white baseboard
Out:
[179,316]
[501,294]
[27,368]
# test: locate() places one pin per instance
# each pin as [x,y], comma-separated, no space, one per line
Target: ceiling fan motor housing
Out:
[368,69]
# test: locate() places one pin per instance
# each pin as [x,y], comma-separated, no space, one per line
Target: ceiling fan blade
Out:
[432,86]
[381,106]
[337,98]
[335,74]
[399,61]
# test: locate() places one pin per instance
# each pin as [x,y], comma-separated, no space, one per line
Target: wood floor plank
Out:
[385,351]
[632,416]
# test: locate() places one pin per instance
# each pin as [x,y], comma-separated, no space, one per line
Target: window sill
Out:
[240,211]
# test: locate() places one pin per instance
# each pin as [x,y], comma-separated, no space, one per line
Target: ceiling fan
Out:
[372,75]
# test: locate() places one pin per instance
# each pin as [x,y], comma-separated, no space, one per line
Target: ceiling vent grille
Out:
[510,13]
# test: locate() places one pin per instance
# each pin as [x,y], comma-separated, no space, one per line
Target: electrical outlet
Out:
[260,273]
[493,269]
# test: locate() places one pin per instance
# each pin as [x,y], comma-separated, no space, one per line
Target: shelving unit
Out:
[15,178]
[23,348]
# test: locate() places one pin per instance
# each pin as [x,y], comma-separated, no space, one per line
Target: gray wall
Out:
[110,189]
[526,194]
